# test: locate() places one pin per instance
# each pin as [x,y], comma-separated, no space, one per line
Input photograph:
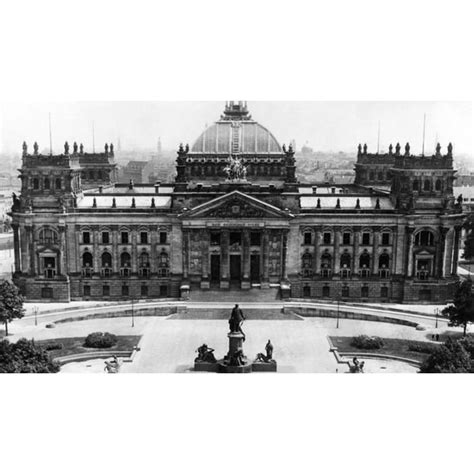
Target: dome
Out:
[236,132]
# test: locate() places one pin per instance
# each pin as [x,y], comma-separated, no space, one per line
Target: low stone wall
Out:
[123,313]
[344,314]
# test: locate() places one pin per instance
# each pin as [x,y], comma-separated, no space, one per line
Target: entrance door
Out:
[215,268]
[255,268]
[235,272]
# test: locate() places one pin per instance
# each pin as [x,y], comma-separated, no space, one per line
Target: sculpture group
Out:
[235,361]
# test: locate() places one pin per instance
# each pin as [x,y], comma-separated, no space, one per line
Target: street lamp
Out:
[337,320]
[35,309]
[437,314]
[133,313]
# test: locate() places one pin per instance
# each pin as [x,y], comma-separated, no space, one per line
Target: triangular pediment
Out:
[236,205]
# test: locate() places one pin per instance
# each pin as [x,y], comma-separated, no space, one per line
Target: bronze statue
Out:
[268,356]
[205,354]
[365,148]
[235,169]
[106,148]
[438,149]
[390,149]
[111,148]
[74,147]
[407,149]
[25,148]
[66,148]
[236,320]
[81,148]
[397,149]
[35,148]
[450,148]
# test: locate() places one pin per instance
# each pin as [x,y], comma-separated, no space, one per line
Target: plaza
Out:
[168,343]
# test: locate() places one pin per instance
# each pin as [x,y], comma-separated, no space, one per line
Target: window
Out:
[124,290]
[47,293]
[427,185]
[87,260]
[423,269]
[49,267]
[346,238]
[325,265]
[345,260]
[163,237]
[87,290]
[364,265]
[163,291]
[47,183]
[105,238]
[58,183]
[106,260]
[125,259]
[327,238]
[124,237]
[307,238]
[416,185]
[106,290]
[366,238]
[215,238]
[384,265]
[345,291]
[326,291]
[425,238]
[144,290]
[307,265]
[372,176]
[143,237]
[86,237]
[235,238]
[385,238]
[255,238]
[306,291]
[380,176]
[438,185]
[364,291]
[384,292]
[36,186]
[48,237]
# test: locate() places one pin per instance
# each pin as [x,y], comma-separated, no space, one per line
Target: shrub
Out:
[100,340]
[367,342]
[421,347]
[23,356]
[451,357]
[57,346]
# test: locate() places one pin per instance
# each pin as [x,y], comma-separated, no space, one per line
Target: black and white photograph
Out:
[236,236]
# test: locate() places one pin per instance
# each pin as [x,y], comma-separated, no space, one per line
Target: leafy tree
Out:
[24,357]
[11,303]
[461,312]
[451,357]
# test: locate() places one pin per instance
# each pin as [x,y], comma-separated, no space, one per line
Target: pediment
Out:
[237,205]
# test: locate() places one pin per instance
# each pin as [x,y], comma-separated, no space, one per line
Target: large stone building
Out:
[236,217]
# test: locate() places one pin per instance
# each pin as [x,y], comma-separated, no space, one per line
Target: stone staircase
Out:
[254,295]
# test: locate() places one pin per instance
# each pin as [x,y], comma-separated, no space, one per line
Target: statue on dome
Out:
[235,170]
[81,148]
[438,149]
[25,148]
[35,148]
[450,149]
[390,149]
[397,149]
[407,149]
[74,148]
[66,148]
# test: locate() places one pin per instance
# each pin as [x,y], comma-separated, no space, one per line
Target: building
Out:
[136,171]
[237,217]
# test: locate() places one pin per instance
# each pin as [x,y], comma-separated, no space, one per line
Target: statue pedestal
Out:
[270,366]
[227,365]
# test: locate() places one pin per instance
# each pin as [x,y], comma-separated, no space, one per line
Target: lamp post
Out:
[35,309]
[436,314]
[337,320]
[133,313]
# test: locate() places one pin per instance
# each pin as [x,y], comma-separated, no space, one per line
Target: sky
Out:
[325,126]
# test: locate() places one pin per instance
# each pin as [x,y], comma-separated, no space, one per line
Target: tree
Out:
[451,357]
[11,303]
[461,312]
[24,357]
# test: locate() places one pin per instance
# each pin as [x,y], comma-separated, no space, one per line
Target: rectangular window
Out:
[255,238]
[346,238]
[306,292]
[215,238]
[327,238]
[366,238]
[86,237]
[364,292]
[106,290]
[163,291]
[326,291]
[384,292]
[124,237]
[87,290]
[143,237]
[385,238]
[163,237]
[105,238]
[345,292]
[124,290]
[307,238]
[47,293]
[144,290]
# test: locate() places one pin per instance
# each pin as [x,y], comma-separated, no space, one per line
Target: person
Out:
[236,320]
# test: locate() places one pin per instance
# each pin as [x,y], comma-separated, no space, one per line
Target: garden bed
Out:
[75,345]
[391,347]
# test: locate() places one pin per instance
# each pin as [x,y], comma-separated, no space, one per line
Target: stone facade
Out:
[256,228]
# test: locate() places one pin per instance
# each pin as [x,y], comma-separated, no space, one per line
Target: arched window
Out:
[416,185]
[371,176]
[99,175]
[48,237]
[58,183]
[91,175]
[87,260]
[427,185]
[438,185]
[144,260]
[380,176]
[345,260]
[384,260]
[106,260]
[125,259]
[47,183]
[307,260]
[163,260]
[364,260]
[35,183]
[424,238]
[326,261]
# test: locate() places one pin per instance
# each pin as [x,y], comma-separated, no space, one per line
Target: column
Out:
[205,285]
[265,251]
[96,250]
[375,249]
[185,254]
[440,249]
[246,259]
[355,258]
[16,247]
[448,253]
[454,267]
[62,250]
[30,250]
[133,252]
[115,251]
[336,258]
[284,251]
[409,266]
[225,259]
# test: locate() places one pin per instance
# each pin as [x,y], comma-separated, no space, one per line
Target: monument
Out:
[235,361]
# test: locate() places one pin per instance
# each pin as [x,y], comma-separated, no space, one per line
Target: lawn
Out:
[393,347]
[75,345]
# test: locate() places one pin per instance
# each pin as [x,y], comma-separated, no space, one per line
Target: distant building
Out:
[136,171]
